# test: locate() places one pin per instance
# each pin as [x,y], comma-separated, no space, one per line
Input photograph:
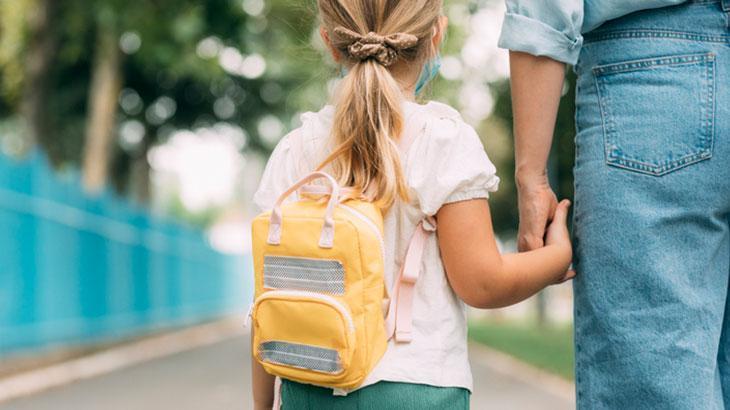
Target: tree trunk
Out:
[141,173]
[42,45]
[105,86]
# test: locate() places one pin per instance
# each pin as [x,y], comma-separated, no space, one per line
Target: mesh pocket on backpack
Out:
[300,356]
[318,275]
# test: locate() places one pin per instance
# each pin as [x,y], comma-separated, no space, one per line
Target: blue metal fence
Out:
[76,269]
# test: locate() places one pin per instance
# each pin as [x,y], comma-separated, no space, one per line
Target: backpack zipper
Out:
[312,295]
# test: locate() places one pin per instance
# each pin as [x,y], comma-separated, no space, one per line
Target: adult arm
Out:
[537,83]
[542,36]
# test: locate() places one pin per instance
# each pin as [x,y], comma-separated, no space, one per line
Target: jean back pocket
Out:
[658,113]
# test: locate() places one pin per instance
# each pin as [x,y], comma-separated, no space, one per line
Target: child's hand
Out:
[557,235]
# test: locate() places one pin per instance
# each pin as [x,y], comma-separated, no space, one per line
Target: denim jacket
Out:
[553,28]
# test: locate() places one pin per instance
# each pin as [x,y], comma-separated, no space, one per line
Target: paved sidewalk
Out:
[217,376]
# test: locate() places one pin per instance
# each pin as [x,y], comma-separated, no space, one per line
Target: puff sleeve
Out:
[452,166]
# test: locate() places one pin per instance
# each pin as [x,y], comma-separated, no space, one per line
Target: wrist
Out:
[528,178]
[563,255]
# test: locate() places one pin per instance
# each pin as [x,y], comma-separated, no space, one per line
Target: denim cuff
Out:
[520,33]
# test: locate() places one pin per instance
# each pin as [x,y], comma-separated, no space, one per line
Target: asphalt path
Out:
[217,376]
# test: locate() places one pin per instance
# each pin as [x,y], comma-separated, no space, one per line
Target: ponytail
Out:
[368,121]
[368,105]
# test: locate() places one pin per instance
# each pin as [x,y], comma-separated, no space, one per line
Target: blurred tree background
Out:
[106,86]
[176,105]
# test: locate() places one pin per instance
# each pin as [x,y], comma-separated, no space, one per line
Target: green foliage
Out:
[503,203]
[167,63]
[13,15]
[547,347]
[563,151]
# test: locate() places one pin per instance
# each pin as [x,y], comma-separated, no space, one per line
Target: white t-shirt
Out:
[445,163]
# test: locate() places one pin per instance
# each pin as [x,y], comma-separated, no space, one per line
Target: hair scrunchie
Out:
[384,49]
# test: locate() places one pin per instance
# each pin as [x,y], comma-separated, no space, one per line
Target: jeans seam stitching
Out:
[711,86]
[643,64]
[604,118]
[654,33]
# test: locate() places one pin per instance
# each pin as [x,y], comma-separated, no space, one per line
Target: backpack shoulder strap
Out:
[399,321]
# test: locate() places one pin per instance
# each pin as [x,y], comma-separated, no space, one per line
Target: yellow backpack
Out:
[318,314]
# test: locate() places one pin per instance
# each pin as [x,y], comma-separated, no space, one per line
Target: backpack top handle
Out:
[327,238]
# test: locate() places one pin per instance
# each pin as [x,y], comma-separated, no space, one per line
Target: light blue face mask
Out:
[429,72]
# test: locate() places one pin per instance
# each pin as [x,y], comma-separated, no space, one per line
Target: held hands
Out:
[544,222]
[537,204]
[557,235]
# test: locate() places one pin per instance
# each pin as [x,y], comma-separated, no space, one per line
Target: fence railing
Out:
[76,269]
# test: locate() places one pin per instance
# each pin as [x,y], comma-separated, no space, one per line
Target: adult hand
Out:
[537,205]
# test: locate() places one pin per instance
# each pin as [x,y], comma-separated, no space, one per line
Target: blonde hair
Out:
[369,118]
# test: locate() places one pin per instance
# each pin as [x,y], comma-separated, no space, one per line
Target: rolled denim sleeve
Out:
[550,28]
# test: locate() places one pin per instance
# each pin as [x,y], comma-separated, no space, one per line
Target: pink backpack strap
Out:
[399,321]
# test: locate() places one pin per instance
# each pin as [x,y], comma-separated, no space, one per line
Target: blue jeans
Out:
[652,208]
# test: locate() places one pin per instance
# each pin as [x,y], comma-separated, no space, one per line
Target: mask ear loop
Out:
[429,72]
[431,68]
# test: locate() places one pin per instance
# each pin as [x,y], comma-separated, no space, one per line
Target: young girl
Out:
[415,161]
